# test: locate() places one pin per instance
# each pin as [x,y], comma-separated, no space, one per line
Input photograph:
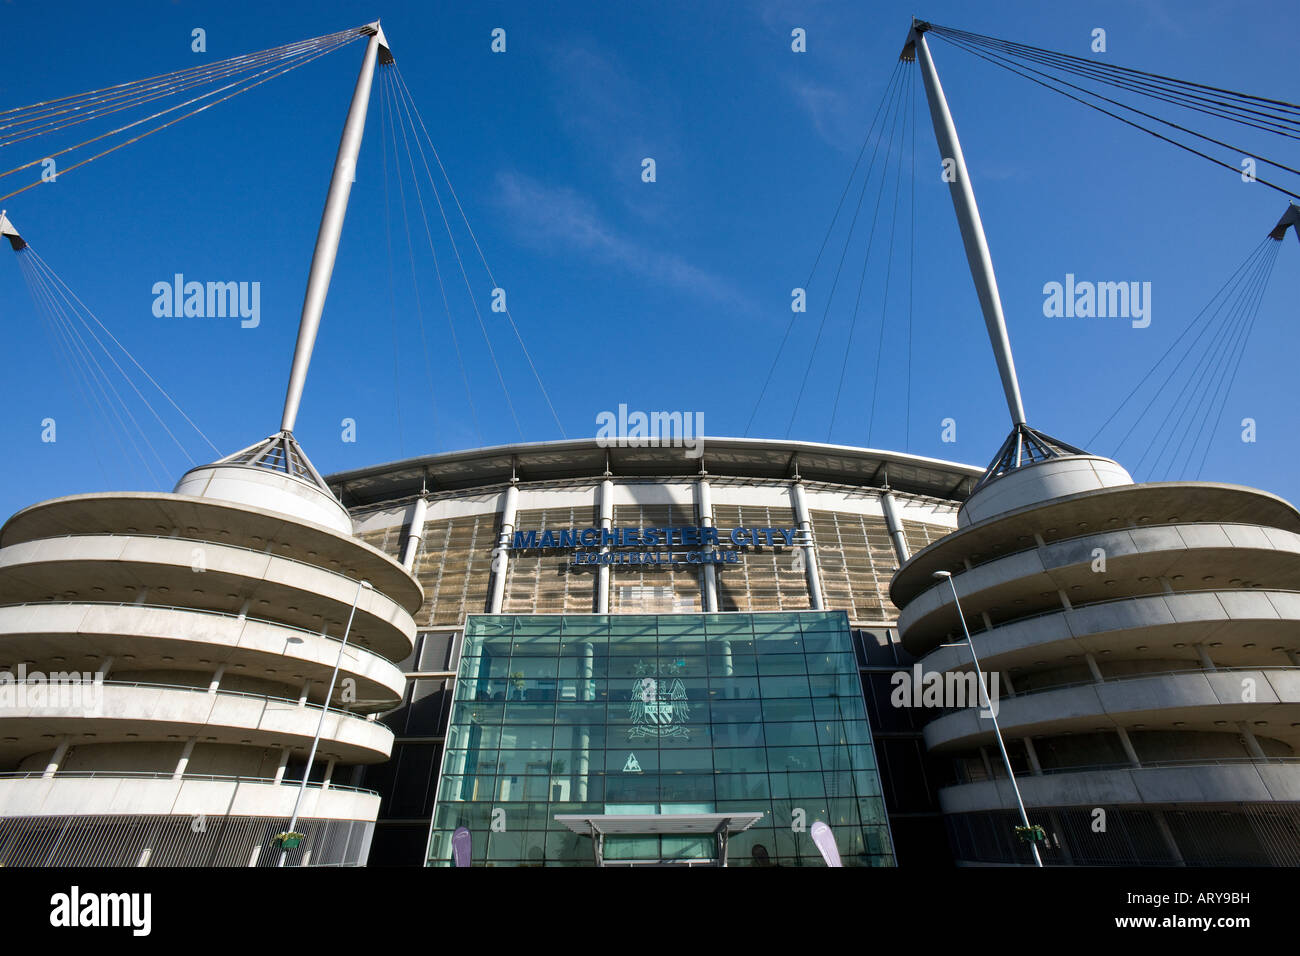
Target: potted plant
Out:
[288,840]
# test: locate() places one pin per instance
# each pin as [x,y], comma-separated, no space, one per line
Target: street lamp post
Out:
[984,695]
[320,724]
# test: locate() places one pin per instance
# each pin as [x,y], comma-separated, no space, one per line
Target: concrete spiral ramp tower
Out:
[169,655]
[1146,638]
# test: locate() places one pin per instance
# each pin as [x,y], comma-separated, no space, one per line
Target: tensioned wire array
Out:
[399,113]
[1210,360]
[888,137]
[230,77]
[84,353]
[91,361]
[1276,117]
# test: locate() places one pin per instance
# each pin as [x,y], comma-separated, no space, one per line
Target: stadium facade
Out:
[588,653]
[629,631]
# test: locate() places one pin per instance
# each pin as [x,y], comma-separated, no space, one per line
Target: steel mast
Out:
[331,224]
[968,218]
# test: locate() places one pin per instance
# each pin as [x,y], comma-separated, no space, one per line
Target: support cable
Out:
[392,280]
[838,270]
[437,271]
[1209,366]
[1244,265]
[96,382]
[30,127]
[889,268]
[67,293]
[459,261]
[1202,365]
[893,77]
[866,260]
[71,374]
[136,139]
[1281,107]
[393,117]
[1126,121]
[352,34]
[994,58]
[478,248]
[1238,281]
[1232,378]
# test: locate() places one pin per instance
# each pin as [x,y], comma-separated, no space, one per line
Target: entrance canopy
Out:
[598,826]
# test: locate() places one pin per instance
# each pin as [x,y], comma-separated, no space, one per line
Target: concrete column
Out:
[1128,747]
[329,772]
[104,667]
[243,608]
[279,770]
[1065,600]
[141,595]
[895,526]
[501,557]
[56,759]
[988,765]
[1252,744]
[1293,657]
[810,553]
[704,503]
[606,522]
[215,684]
[1163,825]
[584,743]
[1062,845]
[185,759]
[1035,767]
[1093,668]
[728,662]
[302,697]
[414,533]
[1204,657]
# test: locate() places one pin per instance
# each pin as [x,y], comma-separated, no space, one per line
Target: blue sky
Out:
[669,295]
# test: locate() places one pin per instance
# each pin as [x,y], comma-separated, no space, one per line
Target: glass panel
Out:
[660,714]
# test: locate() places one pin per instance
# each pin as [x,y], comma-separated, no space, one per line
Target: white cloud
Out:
[548,216]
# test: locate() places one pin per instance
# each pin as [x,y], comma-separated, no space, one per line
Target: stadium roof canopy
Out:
[586,458]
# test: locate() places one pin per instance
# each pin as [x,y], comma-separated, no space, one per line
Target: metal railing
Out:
[232,615]
[1003,698]
[1125,765]
[1010,622]
[266,552]
[1102,531]
[253,695]
[1145,674]
[164,775]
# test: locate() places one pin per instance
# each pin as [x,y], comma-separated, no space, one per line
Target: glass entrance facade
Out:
[659,714]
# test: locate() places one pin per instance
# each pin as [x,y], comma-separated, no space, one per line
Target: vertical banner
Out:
[461,846]
[825,840]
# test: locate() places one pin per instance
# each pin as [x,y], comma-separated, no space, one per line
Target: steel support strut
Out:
[331,227]
[968,218]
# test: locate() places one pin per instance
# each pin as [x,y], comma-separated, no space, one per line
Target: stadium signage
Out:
[654,546]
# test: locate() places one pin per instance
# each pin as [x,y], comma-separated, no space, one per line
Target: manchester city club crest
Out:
[659,707]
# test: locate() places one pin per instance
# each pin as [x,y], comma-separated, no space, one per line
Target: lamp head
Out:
[942,574]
